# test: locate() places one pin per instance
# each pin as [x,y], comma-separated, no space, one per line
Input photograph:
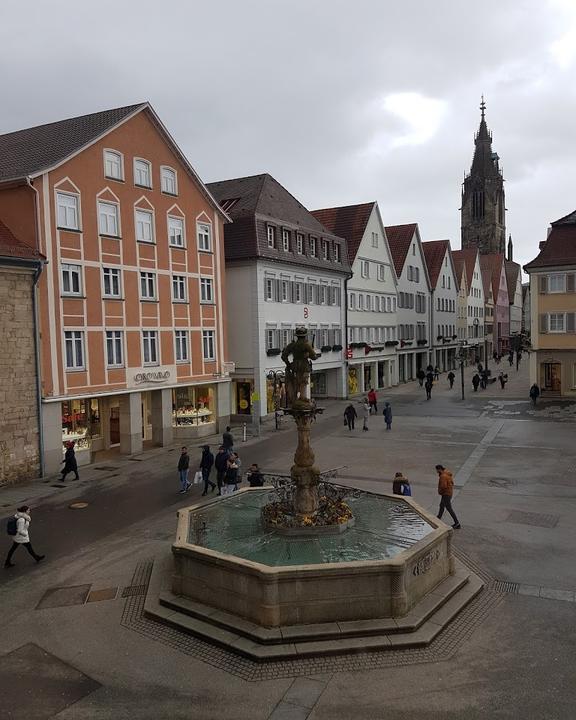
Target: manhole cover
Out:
[78,505]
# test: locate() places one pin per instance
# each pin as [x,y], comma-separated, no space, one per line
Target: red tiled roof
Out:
[467,259]
[434,252]
[492,265]
[399,240]
[348,222]
[512,269]
[560,246]
[10,246]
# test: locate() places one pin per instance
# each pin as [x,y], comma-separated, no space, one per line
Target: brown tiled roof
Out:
[492,265]
[259,200]
[348,222]
[560,247]
[467,259]
[399,240]
[10,246]
[31,151]
[512,269]
[434,252]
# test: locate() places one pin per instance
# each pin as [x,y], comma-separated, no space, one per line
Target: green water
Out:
[383,528]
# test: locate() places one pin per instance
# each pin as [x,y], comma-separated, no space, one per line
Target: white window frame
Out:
[285,240]
[322,294]
[352,301]
[71,211]
[360,301]
[270,338]
[299,243]
[74,339]
[168,176]
[204,236]
[115,342]
[207,290]
[144,225]
[364,268]
[298,292]
[557,316]
[337,253]
[375,239]
[111,273]
[108,152]
[269,289]
[70,269]
[103,214]
[369,303]
[557,276]
[179,288]
[176,230]
[325,252]
[138,172]
[151,347]
[381,272]
[313,247]
[149,279]
[181,346]
[209,345]
[285,291]
[271,236]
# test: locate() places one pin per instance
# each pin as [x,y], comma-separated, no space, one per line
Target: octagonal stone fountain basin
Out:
[394,555]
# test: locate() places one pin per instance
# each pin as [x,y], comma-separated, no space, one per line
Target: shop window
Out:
[193,405]
[80,422]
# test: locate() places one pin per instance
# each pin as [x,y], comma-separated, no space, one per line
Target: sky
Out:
[342,102]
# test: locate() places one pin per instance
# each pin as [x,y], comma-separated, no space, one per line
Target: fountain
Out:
[306,566]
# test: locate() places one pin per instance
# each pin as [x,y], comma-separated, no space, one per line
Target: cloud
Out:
[422,116]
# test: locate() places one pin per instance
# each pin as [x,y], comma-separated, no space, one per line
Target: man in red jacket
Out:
[446,490]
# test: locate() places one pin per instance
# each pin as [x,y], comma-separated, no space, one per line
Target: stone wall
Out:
[19,456]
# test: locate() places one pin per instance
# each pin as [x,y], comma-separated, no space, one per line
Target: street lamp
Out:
[277,378]
[462,357]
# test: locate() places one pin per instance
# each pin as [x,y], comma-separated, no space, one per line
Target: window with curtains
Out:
[67,211]
[114,354]
[74,347]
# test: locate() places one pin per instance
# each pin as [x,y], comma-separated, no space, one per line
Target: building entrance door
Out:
[115,425]
[551,381]
[243,405]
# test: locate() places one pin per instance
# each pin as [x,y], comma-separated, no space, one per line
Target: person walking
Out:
[220,463]
[70,462]
[206,463]
[511,358]
[365,414]
[388,415]
[428,388]
[534,394]
[231,477]
[372,400]
[503,380]
[228,440]
[183,469]
[446,490]
[20,523]
[518,358]
[484,379]
[350,415]
[421,375]
[436,373]
[475,381]
[254,476]
[451,378]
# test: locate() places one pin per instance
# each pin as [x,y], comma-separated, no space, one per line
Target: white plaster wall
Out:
[516,308]
[242,316]
[407,316]
[446,289]
[476,300]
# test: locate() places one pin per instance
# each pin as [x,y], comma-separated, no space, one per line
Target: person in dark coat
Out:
[183,469]
[221,463]
[388,415]
[503,380]
[518,358]
[511,358]
[534,393]
[228,440]
[475,381]
[231,477]
[451,378]
[428,387]
[421,375]
[350,415]
[206,462]
[255,477]
[70,464]
[399,483]
[436,373]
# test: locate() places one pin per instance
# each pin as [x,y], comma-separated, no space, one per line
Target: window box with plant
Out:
[326,348]
[273,351]
[336,348]
[391,343]
[358,345]
[421,342]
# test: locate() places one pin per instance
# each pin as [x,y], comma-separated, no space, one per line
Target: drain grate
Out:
[505,586]
[134,590]
[135,459]
[536,519]
[105,467]
[58,485]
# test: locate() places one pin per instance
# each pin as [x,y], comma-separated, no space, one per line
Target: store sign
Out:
[150,377]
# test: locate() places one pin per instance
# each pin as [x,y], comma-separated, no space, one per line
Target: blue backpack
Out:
[12,526]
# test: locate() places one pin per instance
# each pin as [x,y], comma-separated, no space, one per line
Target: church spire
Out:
[510,248]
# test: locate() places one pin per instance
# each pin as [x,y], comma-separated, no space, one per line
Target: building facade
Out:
[472,307]
[553,311]
[489,332]
[132,302]
[514,285]
[413,349]
[372,333]
[494,267]
[443,303]
[20,268]
[284,269]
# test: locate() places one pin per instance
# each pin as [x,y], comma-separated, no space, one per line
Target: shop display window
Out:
[80,422]
[193,405]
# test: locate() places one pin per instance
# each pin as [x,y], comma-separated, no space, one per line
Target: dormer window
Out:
[325,249]
[285,240]
[271,235]
[337,256]
[313,249]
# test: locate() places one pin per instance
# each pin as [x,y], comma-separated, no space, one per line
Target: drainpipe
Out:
[345,335]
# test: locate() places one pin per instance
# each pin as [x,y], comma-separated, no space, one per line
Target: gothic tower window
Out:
[478,205]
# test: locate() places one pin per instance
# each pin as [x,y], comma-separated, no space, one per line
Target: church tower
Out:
[483,222]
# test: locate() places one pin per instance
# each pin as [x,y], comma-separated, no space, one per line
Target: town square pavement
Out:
[74,644]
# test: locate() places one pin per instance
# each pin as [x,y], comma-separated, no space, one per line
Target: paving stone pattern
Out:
[64,596]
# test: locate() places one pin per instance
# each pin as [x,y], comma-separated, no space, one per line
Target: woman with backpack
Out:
[18,529]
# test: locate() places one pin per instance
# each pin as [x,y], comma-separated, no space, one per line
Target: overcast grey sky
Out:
[342,102]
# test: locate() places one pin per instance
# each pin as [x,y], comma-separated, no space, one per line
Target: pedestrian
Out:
[20,524]
[484,379]
[511,358]
[206,463]
[518,358]
[503,380]
[231,477]
[236,458]
[70,463]
[451,378]
[446,490]
[436,373]
[421,375]
[398,484]
[350,415]
[254,476]
[183,469]
[428,387]
[372,400]
[480,368]
[495,356]
[534,393]
[475,381]
[220,463]
[388,415]
[228,440]
[365,414]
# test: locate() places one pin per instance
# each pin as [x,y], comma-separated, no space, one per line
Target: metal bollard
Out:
[243,432]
